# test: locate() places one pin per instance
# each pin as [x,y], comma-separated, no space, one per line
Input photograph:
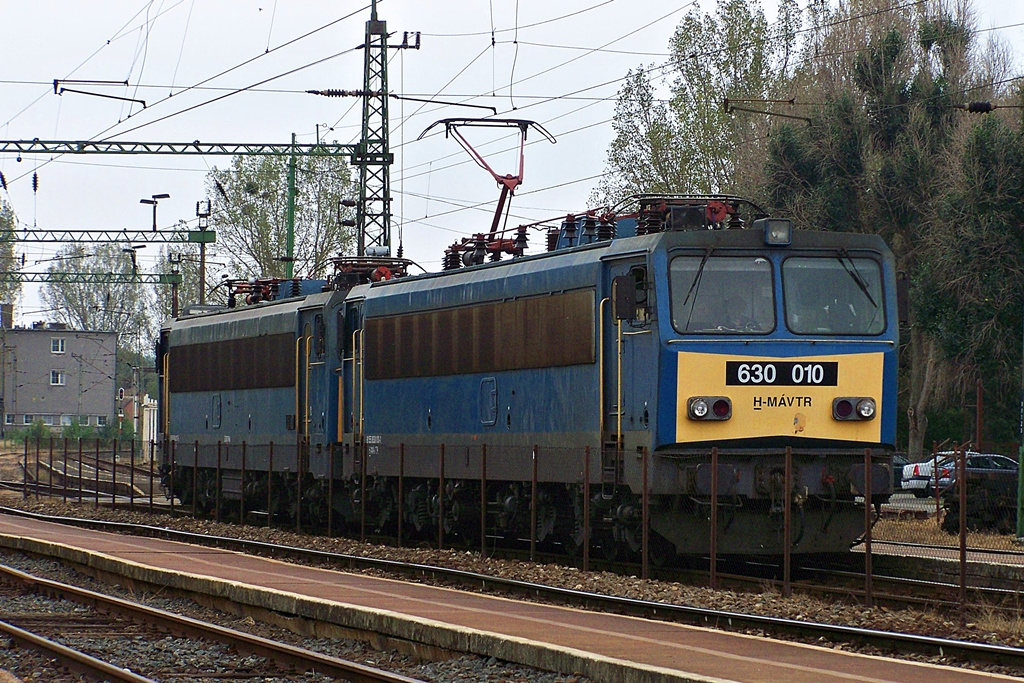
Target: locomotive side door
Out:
[627,362]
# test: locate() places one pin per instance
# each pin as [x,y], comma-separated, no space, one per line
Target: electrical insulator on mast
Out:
[35,182]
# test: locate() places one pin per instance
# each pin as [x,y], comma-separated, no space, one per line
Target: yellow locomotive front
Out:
[768,351]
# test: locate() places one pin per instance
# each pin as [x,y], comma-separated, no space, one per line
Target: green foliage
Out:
[36,432]
[250,202]
[121,430]
[9,291]
[889,154]
[688,142]
[124,308]
[76,431]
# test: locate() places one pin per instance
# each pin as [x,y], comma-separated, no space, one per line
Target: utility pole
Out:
[289,247]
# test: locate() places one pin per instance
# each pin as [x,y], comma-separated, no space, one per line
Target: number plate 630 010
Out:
[781,373]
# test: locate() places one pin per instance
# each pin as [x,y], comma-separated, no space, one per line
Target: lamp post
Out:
[153,202]
[131,251]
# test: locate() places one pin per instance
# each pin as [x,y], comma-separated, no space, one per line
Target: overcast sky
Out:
[559,64]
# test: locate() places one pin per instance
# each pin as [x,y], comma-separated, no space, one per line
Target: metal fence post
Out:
[533,508]
[113,477]
[961,479]
[586,509]
[270,484]
[170,493]
[97,505]
[131,479]
[483,500]
[330,489]
[787,588]
[152,474]
[79,470]
[241,488]
[195,476]
[298,486]
[362,492]
[869,599]
[401,491]
[713,569]
[24,473]
[64,474]
[645,519]
[37,469]
[216,484]
[440,504]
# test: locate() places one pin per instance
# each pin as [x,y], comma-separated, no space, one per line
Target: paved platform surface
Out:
[601,646]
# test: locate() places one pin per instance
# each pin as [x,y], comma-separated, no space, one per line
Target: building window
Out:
[29,419]
[101,420]
[8,419]
[57,378]
[65,420]
[83,420]
[49,420]
[56,344]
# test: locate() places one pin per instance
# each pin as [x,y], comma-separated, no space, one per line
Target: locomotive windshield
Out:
[833,295]
[722,294]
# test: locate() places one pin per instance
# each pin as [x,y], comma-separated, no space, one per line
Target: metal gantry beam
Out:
[189,148]
[94,278]
[134,236]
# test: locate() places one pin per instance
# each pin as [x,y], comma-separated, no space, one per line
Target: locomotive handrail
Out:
[600,365]
[305,417]
[298,346]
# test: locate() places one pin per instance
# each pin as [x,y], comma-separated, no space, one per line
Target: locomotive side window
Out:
[833,295]
[722,295]
[537,332]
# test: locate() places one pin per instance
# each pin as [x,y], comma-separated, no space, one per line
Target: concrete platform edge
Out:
[436,634]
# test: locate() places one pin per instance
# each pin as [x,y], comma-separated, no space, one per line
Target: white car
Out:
[919,477]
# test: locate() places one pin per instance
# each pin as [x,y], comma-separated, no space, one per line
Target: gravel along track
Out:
[163,657]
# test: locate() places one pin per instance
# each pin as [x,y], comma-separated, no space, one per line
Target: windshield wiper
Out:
[855,275]
[695,286]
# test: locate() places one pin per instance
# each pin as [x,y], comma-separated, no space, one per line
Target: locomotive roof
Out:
[573,268]
[245,321]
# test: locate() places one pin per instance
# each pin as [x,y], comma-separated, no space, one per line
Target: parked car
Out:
[919,477]
[991,494]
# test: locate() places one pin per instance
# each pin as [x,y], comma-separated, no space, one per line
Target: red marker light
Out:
[844,409]
[721,407]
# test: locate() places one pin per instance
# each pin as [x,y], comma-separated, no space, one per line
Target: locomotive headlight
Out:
[698,408]
[853,408]
[778,232]
[709,408]
[866,408]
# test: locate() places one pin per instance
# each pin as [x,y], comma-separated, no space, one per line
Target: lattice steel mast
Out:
[372,155]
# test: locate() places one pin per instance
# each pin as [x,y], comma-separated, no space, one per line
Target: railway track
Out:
[108,617]
[884,641]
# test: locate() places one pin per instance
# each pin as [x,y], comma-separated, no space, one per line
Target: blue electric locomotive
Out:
[527,393]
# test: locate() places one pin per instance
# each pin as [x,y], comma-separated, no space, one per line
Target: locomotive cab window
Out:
[722,294]
[833,295]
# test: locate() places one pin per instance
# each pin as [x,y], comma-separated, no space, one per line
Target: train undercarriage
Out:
[453,512]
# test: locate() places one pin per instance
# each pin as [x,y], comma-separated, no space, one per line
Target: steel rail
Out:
[78,661]
[281,653]
[777,626]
